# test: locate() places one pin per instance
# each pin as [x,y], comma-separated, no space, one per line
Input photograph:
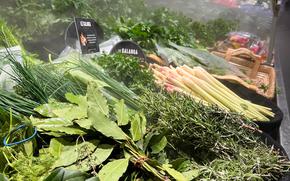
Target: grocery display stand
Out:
[92,115]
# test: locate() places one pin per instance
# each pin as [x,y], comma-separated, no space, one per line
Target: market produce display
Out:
[105,138]
[116,117]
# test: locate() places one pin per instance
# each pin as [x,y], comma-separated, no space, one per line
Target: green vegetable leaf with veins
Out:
[105,126]
[121,113]
[96,99]
[62,174]
[138,127]
[70,154]
[114,170]
[100,155]
[160,145]
[175,174]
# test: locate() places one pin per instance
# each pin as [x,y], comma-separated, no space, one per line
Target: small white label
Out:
[85,23]
[129,51]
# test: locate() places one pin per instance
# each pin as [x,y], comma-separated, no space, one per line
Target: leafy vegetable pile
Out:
[103,118]
[110,133]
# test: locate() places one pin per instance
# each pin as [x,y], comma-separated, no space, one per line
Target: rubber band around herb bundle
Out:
[21,141]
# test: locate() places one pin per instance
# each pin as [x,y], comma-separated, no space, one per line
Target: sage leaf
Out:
[114,170]
[121,113]
[62,174]
[76,99]
[138,127]
[191,174]
[105,126]
[96,99]
[93,179]
[28,148]
[58,125]
[81,102]
[84,123]
[72,153]
[175,174]
[50,122]
[48,109]
[100,155]
[159,146]
[56,147]
[181,164]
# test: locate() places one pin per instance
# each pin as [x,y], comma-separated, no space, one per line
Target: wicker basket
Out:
[259,75]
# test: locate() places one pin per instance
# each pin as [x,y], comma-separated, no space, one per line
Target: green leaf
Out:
[100,155]
[159,146]
[50,122]
[121,113]
[71,113]
[105,126]
[56,146]
[28,147]
[127,154]
[77,99]
[47,110]
[181,164]
[56,175]
[81,101]
[84,123]
[148,138]
[138,127]
[96,99]
[175,174]
[65,111]
[58,125]
[190,175]
[93,179]
[3,178]
[62,174]
[114,170]
[72,153]
[67,130]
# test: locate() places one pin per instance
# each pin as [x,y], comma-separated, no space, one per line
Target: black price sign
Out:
[87,32]
[129,48]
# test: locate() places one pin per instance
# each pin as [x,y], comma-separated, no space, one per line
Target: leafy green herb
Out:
[7,39]
[264,87]
[210,32]
[127,69]
[114,170]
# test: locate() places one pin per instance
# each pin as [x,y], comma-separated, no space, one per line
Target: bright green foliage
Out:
[113,170]
[127,69]
[7,39]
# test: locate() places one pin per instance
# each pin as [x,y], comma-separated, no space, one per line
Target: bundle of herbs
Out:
[225,146]
[127,69]
[7,39]
[40,82]
[147,33]
[87,71]
[104,141]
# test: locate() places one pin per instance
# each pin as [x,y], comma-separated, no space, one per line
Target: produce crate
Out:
[262,77]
